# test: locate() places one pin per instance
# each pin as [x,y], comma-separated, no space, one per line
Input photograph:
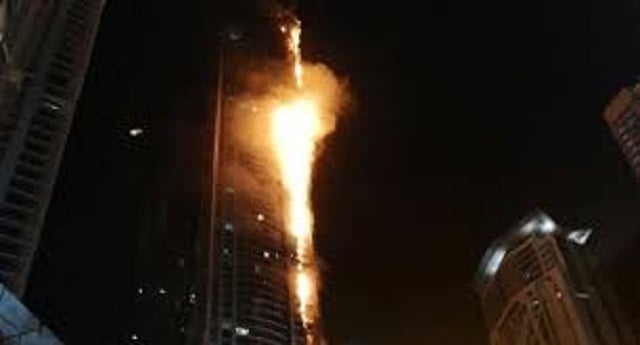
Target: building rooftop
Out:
[538,223]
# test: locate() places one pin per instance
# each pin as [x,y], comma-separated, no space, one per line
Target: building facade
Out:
[18,326]
[250,295]
[539,284]
[622,115]
[46,46]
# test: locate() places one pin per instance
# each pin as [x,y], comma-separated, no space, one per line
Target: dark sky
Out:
[466,116]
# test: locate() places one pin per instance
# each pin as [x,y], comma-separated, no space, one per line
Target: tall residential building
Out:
[45,50]
[251,300]
[539,284]
[623,116]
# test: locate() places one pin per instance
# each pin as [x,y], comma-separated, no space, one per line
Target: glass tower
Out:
[251,256]
[539,284]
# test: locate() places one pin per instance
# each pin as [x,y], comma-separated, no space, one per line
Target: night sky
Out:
[465,117]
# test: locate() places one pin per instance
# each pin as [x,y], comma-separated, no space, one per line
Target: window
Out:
[242,331]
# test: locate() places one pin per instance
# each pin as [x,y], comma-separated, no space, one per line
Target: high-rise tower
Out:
[46,46]
[251,300]
[623,117]
[538,284]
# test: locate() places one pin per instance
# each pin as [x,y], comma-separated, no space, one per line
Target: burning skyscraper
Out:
[538,284]
[45,48]
[270,115]
[251,299]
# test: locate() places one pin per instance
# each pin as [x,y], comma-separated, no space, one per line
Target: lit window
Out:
[242,331]
[52,106]
[260,217]
[266,255]
[134,337]
[162,291]
[136,132]
[140,291]
[228,226]
[536,302]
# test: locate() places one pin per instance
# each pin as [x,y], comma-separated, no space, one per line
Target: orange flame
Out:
[293,44]
[296,128]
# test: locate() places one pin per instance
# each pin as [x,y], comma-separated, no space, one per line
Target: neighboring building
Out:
[46,46]
[623,116]
[251,300]
[214,268]
[539,285]
[18,326]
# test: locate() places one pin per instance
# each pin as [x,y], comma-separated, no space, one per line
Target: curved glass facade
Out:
[546,290]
